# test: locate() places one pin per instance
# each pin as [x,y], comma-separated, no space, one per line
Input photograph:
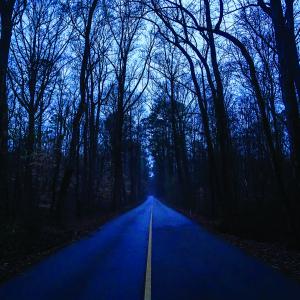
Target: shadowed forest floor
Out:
[275,254]
[19,250]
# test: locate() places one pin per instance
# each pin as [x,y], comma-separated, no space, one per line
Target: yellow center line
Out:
[147,295]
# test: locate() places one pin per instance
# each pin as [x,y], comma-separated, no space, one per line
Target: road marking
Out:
[147,295]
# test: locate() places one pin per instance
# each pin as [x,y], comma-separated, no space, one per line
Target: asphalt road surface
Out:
[150,252]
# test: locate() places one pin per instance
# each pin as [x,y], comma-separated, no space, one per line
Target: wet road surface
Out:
[186,262]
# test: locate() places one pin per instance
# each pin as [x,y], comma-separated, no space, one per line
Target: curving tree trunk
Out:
[223,133]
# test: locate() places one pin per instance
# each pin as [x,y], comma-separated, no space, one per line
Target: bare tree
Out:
[10,12]
[125,20]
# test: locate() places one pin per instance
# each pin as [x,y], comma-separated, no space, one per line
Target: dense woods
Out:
[102,102]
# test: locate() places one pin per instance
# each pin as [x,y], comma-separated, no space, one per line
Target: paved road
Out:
[187,263]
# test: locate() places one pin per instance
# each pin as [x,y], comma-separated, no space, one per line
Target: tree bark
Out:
[6,12]
[118,185]
[289,75]
[223,132]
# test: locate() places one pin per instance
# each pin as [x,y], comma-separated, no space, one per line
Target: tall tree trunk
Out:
[85,192]
[92,151]
[132,162]
[289,74]
[6,12]
[223,132]
[292,221]
[69,169]
[213,171]
[179,147]
[30,199]
[118,185]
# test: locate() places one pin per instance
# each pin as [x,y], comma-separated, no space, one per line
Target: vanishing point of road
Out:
[150,252]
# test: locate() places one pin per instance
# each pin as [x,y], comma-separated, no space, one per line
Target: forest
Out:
[197,102]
